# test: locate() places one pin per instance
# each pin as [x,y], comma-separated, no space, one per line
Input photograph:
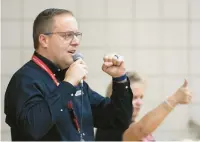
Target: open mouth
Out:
[72,51]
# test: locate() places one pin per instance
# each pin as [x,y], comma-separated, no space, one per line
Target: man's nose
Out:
[75,41]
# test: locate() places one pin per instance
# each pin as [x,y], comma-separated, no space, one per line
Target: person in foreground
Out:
[46,99]
[141,130]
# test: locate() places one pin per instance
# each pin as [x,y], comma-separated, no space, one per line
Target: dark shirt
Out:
[108,135]
[36,109]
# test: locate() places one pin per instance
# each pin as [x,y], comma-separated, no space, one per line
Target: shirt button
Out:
[58,69]
[72,94]
[54,74]
[126,87]
[61,109]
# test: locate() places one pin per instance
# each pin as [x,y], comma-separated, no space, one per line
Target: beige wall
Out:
[159,38]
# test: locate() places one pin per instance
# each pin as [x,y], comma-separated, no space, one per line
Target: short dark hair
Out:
[44,22]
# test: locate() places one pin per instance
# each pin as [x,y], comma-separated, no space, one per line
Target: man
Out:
[141,130]
[45,99]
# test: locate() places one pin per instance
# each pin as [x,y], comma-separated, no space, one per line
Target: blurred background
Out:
[158,38]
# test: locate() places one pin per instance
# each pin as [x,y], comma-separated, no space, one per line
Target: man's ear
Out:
[43,40]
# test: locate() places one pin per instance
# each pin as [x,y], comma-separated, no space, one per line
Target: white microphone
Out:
[75,57]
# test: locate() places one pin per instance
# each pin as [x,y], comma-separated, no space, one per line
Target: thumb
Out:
[185,84]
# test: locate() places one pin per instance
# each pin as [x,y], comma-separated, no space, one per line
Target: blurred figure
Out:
[138,86]
[194,129]
[141,130]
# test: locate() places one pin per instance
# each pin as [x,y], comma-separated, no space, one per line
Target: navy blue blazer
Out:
[36,109]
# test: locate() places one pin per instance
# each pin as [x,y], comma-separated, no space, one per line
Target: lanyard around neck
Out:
[70,107]
[45,67]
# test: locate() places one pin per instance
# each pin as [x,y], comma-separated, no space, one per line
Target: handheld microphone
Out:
[75,57]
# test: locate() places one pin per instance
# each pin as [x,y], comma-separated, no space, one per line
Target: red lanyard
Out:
[73,115]
[69,105]
[44,67]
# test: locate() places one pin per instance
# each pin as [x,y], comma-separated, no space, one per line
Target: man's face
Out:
[63,44]
[138,91]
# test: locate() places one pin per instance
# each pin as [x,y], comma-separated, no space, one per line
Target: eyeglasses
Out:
[68,36]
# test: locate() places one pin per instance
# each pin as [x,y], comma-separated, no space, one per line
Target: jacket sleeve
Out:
[114,112]
[29,109]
